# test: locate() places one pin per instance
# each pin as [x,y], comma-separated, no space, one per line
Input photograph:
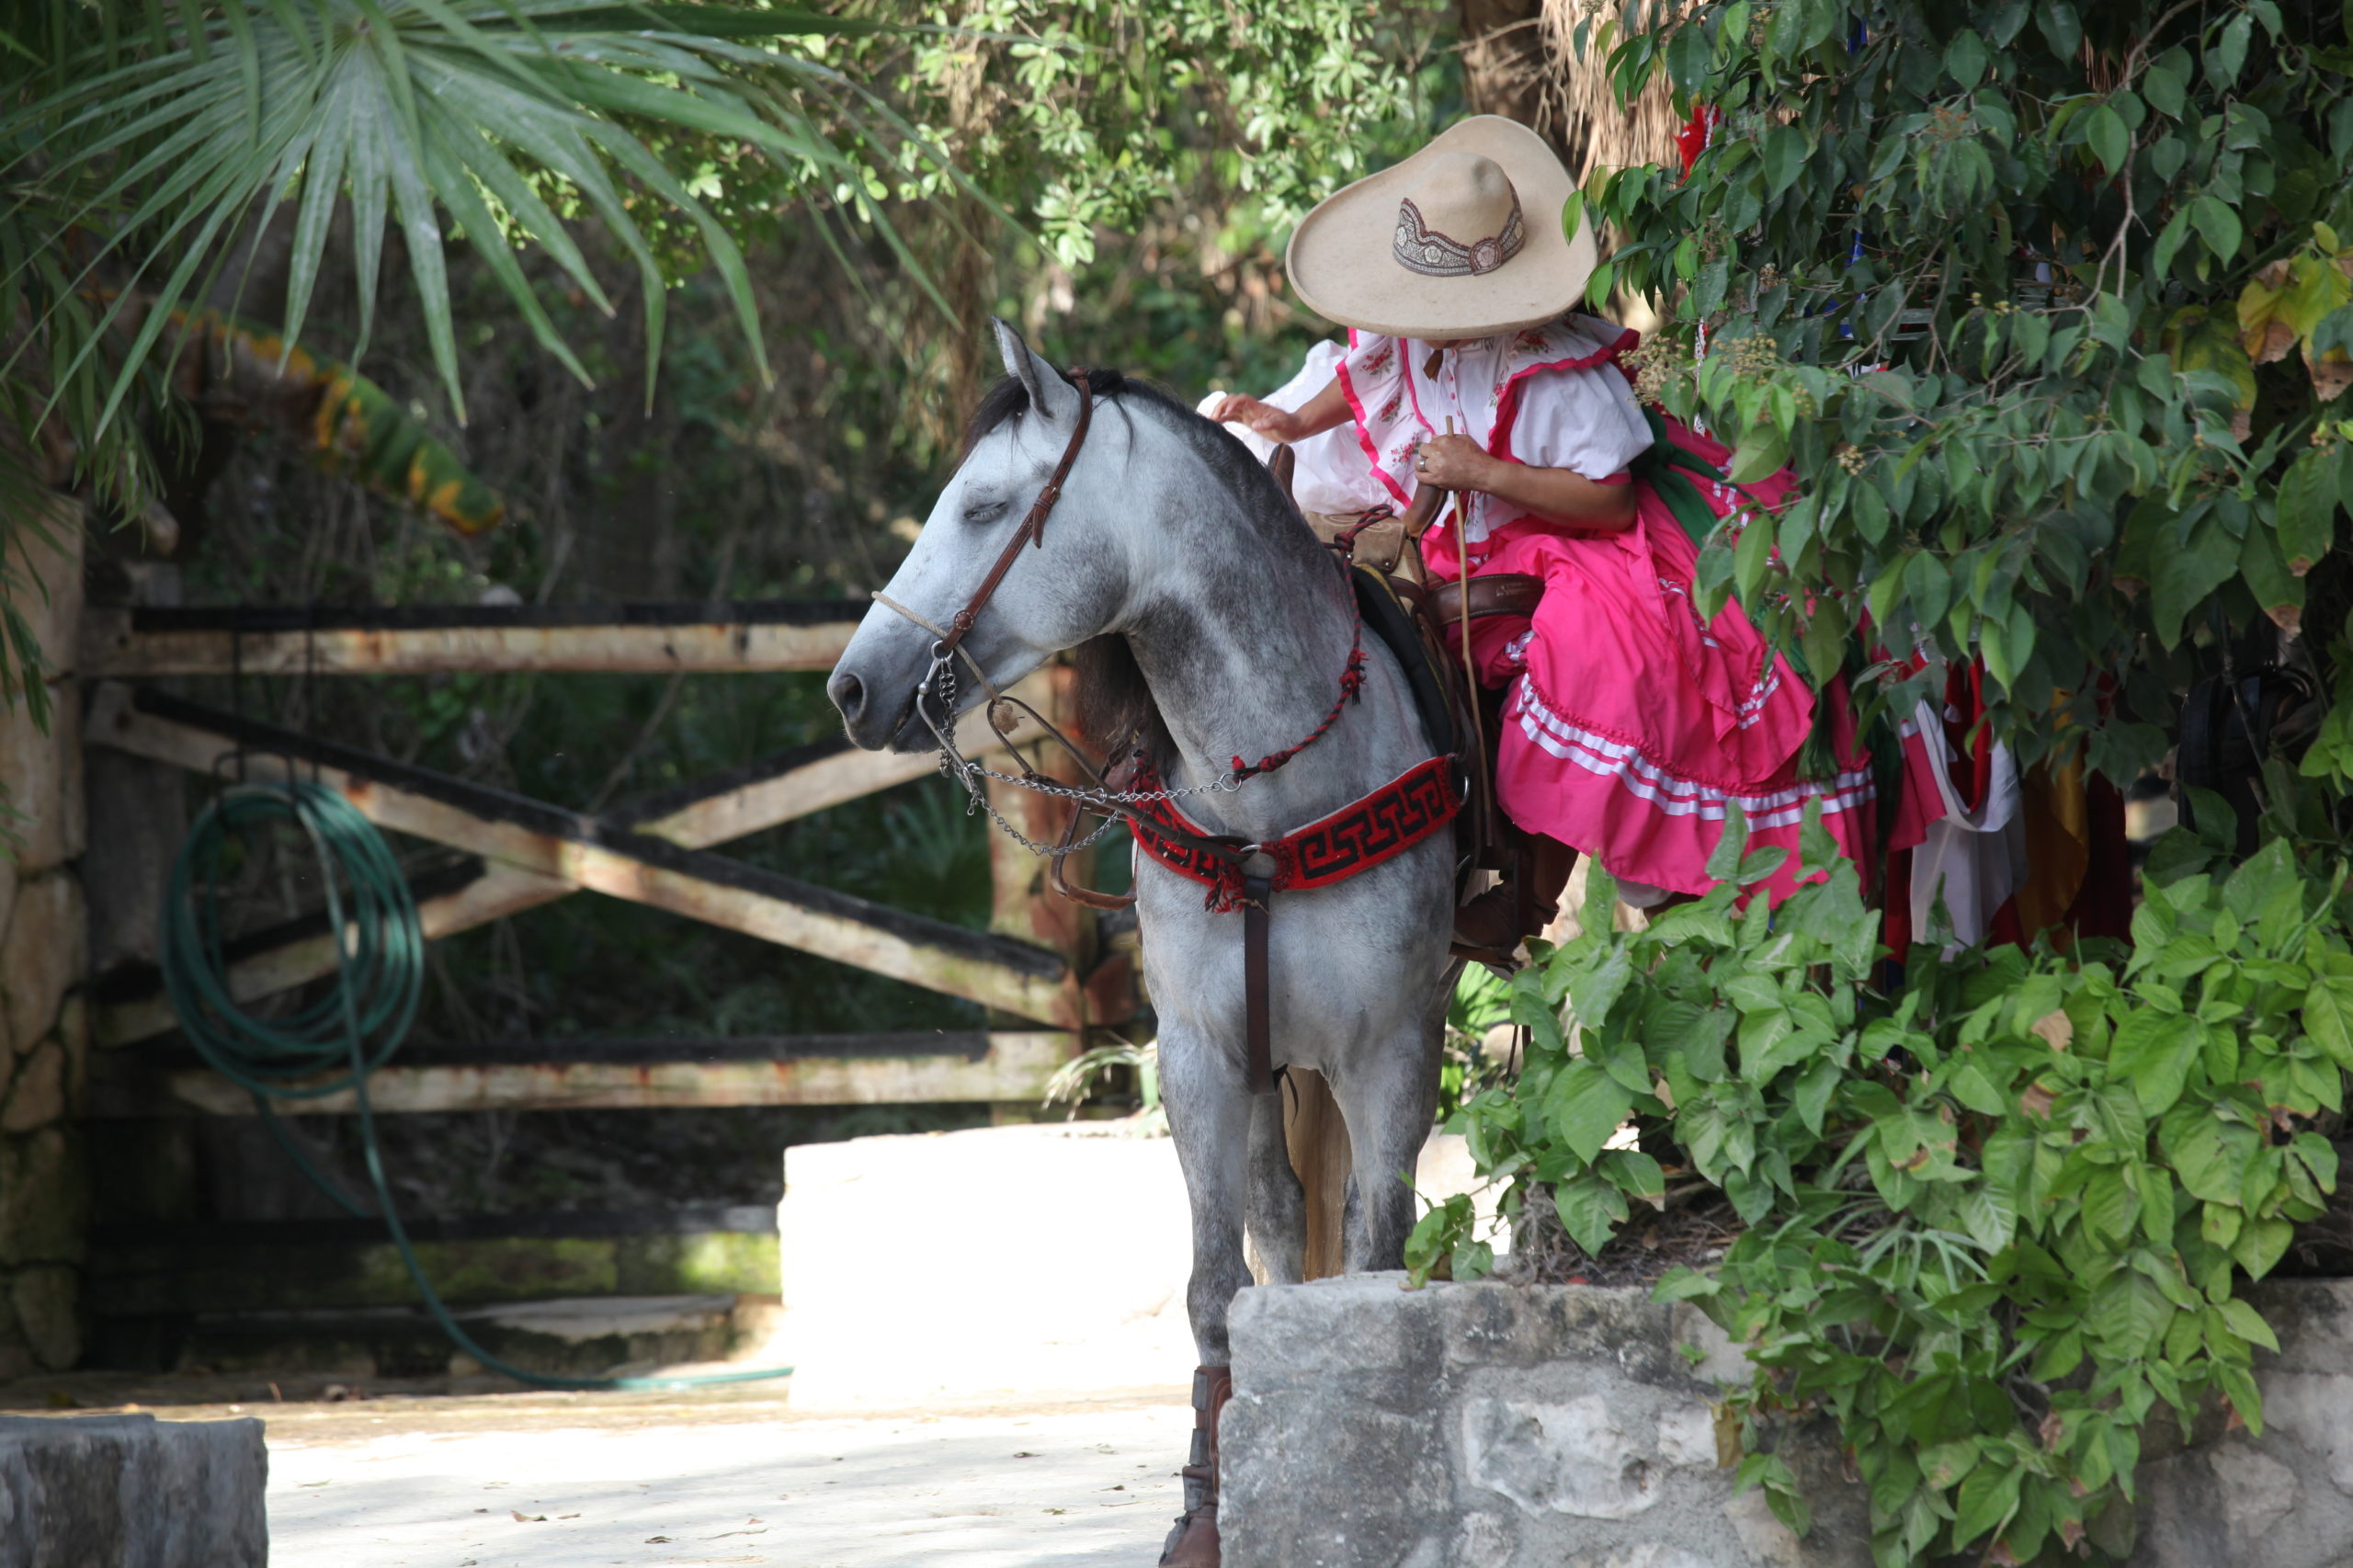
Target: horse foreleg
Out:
[1210,1117]
[1388,1097]
[1277,1206]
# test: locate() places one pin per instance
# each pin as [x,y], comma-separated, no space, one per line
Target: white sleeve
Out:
[1330,474]
[1315,373]
[1334,476]
[1586,421]
[1322,365]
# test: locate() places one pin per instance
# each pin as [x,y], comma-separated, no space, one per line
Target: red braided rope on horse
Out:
[1345,542]
[1351,690]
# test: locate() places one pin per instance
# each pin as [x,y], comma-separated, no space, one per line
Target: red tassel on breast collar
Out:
[1351,690]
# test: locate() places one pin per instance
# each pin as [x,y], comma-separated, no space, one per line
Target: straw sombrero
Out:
[1461,240]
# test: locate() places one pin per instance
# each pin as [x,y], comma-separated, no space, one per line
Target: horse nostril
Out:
[848,694]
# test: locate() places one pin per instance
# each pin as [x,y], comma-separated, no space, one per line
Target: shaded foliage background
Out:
[1159,152]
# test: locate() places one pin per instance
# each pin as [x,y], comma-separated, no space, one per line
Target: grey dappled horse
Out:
[1171,537]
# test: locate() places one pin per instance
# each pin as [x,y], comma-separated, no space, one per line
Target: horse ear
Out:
[1048,393]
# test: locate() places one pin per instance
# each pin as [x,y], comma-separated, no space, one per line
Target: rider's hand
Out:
[1453,462]
[1275,424]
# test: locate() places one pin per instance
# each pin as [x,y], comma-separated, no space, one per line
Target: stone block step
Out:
[580,1336]
[131,1491]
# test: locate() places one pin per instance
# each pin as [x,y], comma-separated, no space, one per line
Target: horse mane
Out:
[1113,704]
[1006,397]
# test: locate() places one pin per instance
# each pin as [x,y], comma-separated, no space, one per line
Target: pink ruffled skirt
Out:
[1631,727]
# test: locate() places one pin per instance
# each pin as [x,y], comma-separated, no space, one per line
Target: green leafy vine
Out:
[1996,1215]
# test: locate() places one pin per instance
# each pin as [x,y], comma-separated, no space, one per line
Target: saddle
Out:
[1425,626]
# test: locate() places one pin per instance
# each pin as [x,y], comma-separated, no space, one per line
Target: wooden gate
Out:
[1044,970]
[1041,969]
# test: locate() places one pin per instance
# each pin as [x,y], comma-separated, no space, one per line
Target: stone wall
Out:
[1493,1427]
[132,1492]
[44,1030]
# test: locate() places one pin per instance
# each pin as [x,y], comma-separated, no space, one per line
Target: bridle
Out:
[938,687]
[939,683]
[1254,869]
[1032,530]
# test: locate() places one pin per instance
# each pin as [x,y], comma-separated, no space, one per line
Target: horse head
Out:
[1062,590]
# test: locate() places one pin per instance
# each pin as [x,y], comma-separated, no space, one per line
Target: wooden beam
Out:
[736,804]
[794,784]
[1008,1066]
[498,890]
[995,971]
[718,639]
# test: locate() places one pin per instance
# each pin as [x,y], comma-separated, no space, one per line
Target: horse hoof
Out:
[1193,1543]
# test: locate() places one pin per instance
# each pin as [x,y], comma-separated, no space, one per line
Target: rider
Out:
[1631,724]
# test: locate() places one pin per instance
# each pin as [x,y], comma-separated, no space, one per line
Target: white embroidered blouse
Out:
[1549,396]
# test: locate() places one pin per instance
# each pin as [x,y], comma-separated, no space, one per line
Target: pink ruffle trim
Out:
[1643,820]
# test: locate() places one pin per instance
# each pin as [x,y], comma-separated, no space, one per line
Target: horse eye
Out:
[979,514]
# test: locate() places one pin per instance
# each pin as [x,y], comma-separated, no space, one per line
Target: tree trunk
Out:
[1505,65]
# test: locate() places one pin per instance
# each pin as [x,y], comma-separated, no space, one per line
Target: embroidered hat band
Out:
[1420,248]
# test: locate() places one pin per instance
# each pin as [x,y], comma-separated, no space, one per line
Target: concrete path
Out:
[620,1481]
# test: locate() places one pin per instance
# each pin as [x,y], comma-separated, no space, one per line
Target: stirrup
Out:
[1488,924]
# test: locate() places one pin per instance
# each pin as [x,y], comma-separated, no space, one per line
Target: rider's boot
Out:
[1496,920]
[1194,1543]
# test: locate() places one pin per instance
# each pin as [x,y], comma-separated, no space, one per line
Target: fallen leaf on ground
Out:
[657,1540]
[1025,1454]
[524,1518]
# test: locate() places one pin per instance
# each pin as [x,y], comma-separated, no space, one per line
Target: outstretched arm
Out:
[1327,410]
[1556,495]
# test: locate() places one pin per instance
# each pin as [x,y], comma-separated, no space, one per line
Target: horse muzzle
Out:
[899,709]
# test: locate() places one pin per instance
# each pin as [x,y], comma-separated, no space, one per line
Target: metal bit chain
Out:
[954,765]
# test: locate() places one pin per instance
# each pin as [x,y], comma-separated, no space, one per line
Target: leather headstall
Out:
[1033,525]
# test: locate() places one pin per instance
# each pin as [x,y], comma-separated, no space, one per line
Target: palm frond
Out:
[134,154]
[443,117]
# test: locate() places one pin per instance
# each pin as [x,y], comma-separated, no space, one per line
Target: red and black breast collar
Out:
[1360,835]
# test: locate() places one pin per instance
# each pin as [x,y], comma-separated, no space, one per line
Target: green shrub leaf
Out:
[1584,1107]
[2057,344]
[1590,1211]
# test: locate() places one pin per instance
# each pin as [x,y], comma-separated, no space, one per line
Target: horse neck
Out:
[1241,628]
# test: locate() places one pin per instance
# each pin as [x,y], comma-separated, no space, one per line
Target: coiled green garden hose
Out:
[333,1044]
